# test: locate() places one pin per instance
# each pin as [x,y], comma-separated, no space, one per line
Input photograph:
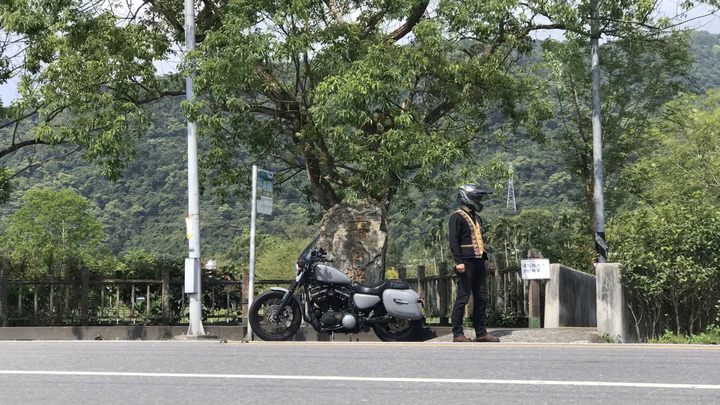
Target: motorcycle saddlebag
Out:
[402,304]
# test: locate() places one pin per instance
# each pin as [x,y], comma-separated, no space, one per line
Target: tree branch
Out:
[13,148]
[336,13]
[278,94]
[168,16]
[281,173]
[162,94]
[13,122]
[43,162]
[417,13]
[577,110]
[372,23]
[439,112]
[272,112]
[501,39]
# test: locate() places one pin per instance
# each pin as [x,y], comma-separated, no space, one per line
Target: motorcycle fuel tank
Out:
[328,275]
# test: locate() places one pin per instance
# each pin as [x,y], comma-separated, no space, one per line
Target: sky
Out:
[670,8]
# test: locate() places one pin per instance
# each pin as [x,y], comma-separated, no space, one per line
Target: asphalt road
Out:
[175,372]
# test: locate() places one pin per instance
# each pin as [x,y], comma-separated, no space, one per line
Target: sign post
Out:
[534,269]
[262,193]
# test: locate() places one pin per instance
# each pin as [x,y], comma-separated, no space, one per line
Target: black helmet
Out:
[472,196]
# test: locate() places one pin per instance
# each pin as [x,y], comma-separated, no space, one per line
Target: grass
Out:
[609,339]
[711,336]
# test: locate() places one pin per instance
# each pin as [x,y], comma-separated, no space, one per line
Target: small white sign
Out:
[534,269]
[192,275]
[265,192]
[264,205]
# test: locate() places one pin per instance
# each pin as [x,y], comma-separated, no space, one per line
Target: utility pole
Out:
[193,279]
[511,190]
[251,267]
[598,198]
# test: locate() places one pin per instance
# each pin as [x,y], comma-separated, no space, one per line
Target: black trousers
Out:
[472,281]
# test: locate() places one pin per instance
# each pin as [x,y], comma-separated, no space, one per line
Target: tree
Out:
[85,79]
[51,229]
[668,243]
[688,159]
[362,105]
[639,75]
[365,106]
[671,262]
[559,240]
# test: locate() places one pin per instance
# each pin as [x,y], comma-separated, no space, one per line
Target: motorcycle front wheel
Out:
[398,330]
[270,326]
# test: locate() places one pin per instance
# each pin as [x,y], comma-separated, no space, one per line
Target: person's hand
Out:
[460,268]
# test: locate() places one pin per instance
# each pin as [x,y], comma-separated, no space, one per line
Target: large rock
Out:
[355,238]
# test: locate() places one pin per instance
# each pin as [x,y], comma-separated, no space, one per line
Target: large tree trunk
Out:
[355,238]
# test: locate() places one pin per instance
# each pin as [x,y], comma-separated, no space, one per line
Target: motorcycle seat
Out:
[378,288]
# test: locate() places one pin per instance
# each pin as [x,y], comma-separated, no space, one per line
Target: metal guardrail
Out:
[106,301]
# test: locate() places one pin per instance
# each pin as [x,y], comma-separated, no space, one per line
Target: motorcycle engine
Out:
[331,306]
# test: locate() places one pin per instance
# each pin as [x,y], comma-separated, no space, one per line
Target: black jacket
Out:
[461,234]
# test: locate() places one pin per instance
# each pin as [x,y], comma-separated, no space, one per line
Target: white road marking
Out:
[362,379]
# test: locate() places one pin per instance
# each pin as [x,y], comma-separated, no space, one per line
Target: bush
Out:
[671,263]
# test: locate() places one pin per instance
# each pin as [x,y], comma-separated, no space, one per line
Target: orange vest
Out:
[476,234]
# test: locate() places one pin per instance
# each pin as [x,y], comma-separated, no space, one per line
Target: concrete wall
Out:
[139,332]
[227,332]
[570,298]
[614,314]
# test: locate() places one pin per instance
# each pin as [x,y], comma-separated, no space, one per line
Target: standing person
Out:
[468,250]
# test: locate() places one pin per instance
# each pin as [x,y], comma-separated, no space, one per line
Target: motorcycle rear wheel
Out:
[265,325]
[398,330]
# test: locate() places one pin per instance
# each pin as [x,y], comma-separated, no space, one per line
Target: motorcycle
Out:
[332,303]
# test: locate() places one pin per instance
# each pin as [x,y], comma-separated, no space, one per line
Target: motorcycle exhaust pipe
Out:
[385,319]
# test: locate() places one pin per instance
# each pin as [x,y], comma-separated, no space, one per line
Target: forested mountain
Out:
[145,209]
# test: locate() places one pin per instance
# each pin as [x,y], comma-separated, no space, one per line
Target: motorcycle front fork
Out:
[287,297]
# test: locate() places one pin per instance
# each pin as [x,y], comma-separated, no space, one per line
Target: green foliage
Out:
[85,80]
[400,117]
[689,158]
[706,48]
[367,112]
[639,75]
[670,259]
[391,273]
[6,187]
[711,336]
[609,339]
[561,240]
[278,261]
[50,230]
[668,245]
[506,318]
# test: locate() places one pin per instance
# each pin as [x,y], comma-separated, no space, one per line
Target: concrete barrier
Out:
[570,298]
[615,306]
[143,332]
